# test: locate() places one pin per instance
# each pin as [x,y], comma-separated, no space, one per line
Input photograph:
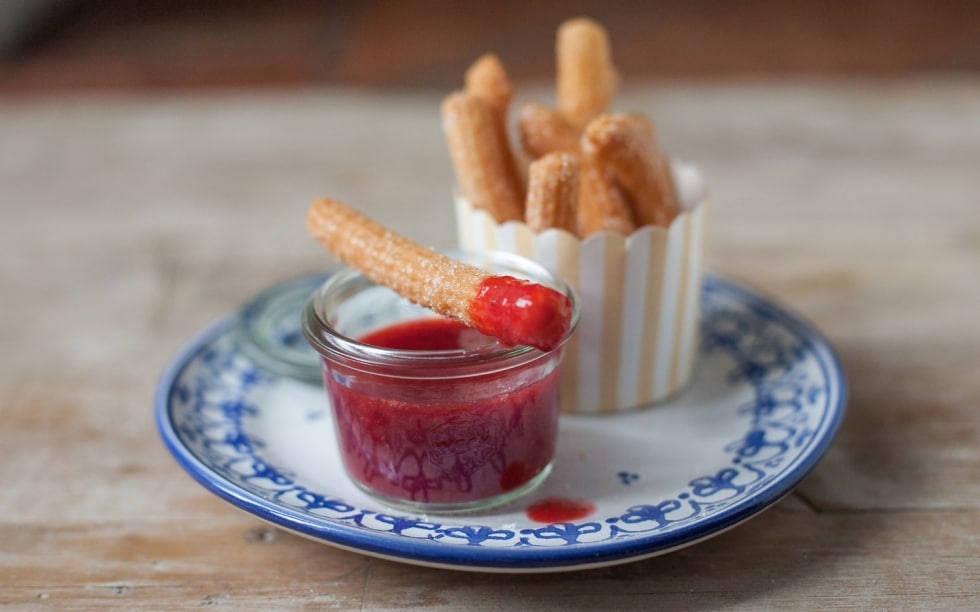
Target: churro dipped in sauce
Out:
[512,310]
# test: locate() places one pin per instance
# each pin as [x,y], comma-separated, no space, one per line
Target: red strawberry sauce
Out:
[443,440]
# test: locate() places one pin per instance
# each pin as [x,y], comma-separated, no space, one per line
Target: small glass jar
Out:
[269,333]
[436,431]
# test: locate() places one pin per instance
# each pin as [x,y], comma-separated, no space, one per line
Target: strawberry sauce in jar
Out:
[431,415]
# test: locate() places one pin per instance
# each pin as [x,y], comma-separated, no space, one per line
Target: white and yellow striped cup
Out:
[637,339]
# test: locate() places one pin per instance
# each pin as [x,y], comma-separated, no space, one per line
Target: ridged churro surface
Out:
[542,130]
[586,77]
[623,143]
[480,157]
[419,274]
[487,79]
[602,206]
[552,193]
[512,310]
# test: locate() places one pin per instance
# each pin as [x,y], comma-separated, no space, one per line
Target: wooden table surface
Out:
[129,222]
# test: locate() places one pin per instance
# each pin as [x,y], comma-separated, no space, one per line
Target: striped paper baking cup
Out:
[637,339]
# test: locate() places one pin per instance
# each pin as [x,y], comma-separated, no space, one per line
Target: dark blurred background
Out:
[71,45]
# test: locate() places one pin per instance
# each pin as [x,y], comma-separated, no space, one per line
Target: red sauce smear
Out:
[520,312]
[442,440]
[559,510]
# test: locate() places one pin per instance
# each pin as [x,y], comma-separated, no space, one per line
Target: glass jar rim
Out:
[447,363]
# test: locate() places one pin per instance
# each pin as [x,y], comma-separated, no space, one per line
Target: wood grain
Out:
[129,223]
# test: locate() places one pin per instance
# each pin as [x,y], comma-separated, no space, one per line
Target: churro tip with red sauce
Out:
[514,311]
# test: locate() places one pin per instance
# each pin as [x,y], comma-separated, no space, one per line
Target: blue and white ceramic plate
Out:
[766,401]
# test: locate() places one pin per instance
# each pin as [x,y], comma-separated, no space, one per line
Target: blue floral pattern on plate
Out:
[766,402]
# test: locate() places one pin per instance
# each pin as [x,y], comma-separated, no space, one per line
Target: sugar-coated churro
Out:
[623,144]
[487,79]
[514,311]
[542,130]
[479,155]
[552,193]
[602,206]
[586,77]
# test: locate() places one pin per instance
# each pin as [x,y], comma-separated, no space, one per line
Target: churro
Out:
[487,79]
[514,311]
[586,77]
[623,144]
[483,170]
[543,130]
[552,193]
[602,206]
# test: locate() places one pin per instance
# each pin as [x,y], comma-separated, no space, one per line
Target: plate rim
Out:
[509,560]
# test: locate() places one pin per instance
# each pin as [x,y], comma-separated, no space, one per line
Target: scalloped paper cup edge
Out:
[637,339]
